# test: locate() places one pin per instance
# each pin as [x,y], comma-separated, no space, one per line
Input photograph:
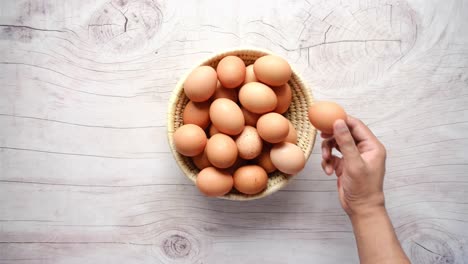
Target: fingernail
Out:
[340,126]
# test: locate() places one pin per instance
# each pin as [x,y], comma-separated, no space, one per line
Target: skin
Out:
[360,173]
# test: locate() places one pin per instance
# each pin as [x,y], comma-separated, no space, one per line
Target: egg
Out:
[249,117]
[284,97]
[214,182]
[227,116]
[273,127]
[190,140]
[249,143]
[323,114]
[292,134]
[264,161]
[200,84]
[201,161]
[197,114]
[231,71]
[257,98]
[250,75]
[213,131]
[287,157]
[221,151]
[222,92]
[272,70]
[250,179]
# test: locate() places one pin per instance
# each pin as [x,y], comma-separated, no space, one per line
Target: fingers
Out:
[325,135]
[327,167]
[359,130]
[345,141]
[332,165]
[327,146]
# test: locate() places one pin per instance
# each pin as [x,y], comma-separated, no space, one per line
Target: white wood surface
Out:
[86,175]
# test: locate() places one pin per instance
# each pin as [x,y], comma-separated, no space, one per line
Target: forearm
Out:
[376,239]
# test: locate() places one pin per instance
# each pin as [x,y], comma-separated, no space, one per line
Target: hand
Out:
[361,168]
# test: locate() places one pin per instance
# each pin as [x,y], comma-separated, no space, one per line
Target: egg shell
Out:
[222,92]
[257,98]
[201,161]
[190,140]
[200,84]
[292,134]
[249,117]
[222,151]
[284,97]
[264,161]
[197,114]
[250,179]
[231,71]
[323,115]
[273,127]
[250,75]
[227,116]
[272,70]
[287,157]
[214,182]
[249,143]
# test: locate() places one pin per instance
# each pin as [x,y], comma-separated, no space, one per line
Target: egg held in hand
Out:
[323,115]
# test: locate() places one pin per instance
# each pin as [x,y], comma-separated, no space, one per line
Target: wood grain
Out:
[86,175]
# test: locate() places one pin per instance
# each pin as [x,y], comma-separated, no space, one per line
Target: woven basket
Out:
[297,114]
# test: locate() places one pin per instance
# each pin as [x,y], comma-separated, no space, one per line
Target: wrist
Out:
[368,213]
[373,204]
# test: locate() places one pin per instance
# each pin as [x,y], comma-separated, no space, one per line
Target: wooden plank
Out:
[86,174]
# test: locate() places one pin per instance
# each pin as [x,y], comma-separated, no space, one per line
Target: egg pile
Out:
[233,125]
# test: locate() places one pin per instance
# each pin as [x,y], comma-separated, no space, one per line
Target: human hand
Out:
[361,168]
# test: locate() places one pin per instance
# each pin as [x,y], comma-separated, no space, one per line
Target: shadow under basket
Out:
[297,113]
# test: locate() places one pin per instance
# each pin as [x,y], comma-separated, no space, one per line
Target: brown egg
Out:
[200,84]
[249,74]
[257,98]
[222,92]
[272,70]
[197,114]
[250,118]
[273,127]
[264,161]
[287,157]
[227,116]
[231,71]
[292,134]
[214,182]
[190,140]
[201,161]
[250,179]
[213,131]
[249,143]
[221,151]
[284,97]
[322,115]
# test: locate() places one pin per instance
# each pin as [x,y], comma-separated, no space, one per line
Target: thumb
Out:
[345,141]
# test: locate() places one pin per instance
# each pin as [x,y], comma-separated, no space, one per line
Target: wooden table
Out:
[86,175]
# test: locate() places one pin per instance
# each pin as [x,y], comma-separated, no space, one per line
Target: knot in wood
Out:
[177,246]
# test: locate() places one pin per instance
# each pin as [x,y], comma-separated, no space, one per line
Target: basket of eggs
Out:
[238,124]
